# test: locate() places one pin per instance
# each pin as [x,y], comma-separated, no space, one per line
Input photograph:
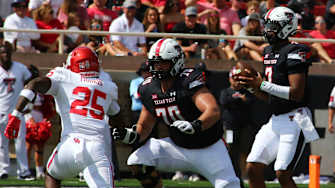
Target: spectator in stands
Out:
[236,6]
[18,20]
[229,20]
[330,14]
[249,49]
[5,8]
[73,40]
[265,6]
[44,19]
[218,49]
[99,11]
[318,53]
[321,32]
[252,7]
[73,6]
[191,47]
[151,24]
[55,4]
[171,15]
[305,9]
[131,45]
[140,10]
[159,4]
[95,41]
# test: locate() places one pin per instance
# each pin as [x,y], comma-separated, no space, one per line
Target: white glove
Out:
[187,127]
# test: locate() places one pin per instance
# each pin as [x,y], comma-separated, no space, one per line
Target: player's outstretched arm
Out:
[145,123]
[27,95]
[206,103]
[40,85]
[138,132]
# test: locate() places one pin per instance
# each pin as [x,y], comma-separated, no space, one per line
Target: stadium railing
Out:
[172,35]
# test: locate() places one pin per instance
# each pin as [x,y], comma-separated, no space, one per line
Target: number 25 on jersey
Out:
[88,105]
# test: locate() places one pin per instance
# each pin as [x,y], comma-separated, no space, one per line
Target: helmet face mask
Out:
[156,71]
[84,61]
[162,52]
[281,21]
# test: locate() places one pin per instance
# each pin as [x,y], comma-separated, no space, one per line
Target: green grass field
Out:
[12,181]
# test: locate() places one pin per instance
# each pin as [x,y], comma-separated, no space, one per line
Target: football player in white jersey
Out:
[82,101]
[13,76]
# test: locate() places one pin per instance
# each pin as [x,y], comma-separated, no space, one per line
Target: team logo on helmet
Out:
[85,61]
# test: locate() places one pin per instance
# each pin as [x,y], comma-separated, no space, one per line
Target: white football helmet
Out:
[282,21]
[166,50]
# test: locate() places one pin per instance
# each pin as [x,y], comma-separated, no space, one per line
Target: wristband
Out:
[16,113]
[28,94]
[276,90]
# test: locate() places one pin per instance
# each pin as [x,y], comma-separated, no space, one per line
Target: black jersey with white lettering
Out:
[278,64]
[177,104]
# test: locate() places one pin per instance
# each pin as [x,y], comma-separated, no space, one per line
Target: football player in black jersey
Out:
[286,68]
[179,98]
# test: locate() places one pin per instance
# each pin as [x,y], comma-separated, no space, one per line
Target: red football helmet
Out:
[83,60]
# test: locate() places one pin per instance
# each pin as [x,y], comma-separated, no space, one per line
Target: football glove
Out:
[187,127]
[126,135]
[13,126]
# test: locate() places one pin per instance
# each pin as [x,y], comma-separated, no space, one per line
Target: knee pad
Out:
[147,175]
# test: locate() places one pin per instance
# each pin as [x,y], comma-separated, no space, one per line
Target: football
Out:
[241,67]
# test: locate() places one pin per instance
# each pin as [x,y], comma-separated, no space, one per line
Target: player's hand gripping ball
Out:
[244,75]
[243,69]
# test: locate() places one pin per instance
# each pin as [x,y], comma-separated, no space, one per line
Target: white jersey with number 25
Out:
[82,102]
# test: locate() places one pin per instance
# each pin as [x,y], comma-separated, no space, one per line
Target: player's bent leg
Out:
[99,174]
[255,172]
[147,175]
[285,179]
[51,182]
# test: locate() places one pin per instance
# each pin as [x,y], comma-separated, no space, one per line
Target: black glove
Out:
[126,135]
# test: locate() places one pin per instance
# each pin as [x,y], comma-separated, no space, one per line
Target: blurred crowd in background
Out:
[219,17]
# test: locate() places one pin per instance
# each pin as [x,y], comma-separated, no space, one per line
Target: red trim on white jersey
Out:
[52,158]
